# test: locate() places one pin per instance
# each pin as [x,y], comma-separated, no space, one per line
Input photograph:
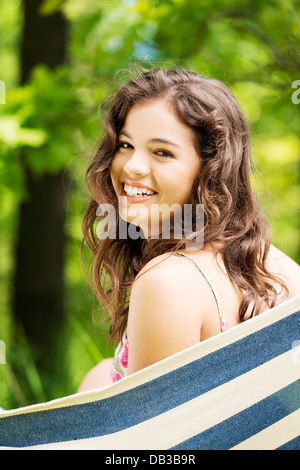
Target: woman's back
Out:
[173,304]
[230,296]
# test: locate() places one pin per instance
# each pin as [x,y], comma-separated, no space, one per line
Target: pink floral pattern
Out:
[115,375]
[124,355]
[120,362]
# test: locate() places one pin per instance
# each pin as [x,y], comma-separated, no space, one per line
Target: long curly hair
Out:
[233,219]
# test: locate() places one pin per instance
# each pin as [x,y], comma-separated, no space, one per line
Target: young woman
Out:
[177,139]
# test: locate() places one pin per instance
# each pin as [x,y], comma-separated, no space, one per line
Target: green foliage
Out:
[52,124]
[39,122]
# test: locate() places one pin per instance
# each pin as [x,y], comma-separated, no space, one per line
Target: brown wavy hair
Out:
[233,219]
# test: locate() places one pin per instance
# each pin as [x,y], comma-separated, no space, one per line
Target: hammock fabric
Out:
[237,390]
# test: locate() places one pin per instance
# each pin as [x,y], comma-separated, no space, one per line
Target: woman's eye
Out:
[124,145]
[164,153]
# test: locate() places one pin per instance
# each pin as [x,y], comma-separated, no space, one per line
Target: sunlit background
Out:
[58,60]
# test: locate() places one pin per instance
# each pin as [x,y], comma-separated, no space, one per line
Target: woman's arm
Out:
[97,377]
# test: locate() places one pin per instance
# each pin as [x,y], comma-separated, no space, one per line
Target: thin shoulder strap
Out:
[213,289]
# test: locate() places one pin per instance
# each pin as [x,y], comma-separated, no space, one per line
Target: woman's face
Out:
[155,165]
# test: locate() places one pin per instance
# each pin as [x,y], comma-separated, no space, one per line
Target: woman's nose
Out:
[137,165]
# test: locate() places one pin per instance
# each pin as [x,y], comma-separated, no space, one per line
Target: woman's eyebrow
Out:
[164,141]
[154,140]
[126,134]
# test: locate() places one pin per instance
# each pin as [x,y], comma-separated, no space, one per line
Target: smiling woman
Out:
[175,139]
[145,162]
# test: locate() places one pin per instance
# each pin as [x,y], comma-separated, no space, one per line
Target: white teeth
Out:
[137,191]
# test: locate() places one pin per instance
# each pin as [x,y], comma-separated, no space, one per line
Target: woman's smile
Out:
[134,192]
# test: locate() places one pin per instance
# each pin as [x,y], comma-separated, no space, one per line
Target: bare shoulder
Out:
[287,269]
[167,278]
[164,312]
[165,264]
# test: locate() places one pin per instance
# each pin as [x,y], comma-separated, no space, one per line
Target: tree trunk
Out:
[38,301]
[44,39]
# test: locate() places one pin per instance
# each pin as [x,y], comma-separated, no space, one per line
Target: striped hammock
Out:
[237,390]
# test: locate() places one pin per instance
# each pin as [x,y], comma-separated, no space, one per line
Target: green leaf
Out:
[13,135]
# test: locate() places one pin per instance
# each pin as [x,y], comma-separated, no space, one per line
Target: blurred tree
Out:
[38,284]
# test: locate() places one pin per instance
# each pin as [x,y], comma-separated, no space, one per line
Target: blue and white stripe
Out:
[237,390]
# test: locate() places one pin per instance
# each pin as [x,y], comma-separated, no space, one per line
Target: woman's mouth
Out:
[137,193]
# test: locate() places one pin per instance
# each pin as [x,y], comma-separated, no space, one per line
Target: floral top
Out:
[120,361]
